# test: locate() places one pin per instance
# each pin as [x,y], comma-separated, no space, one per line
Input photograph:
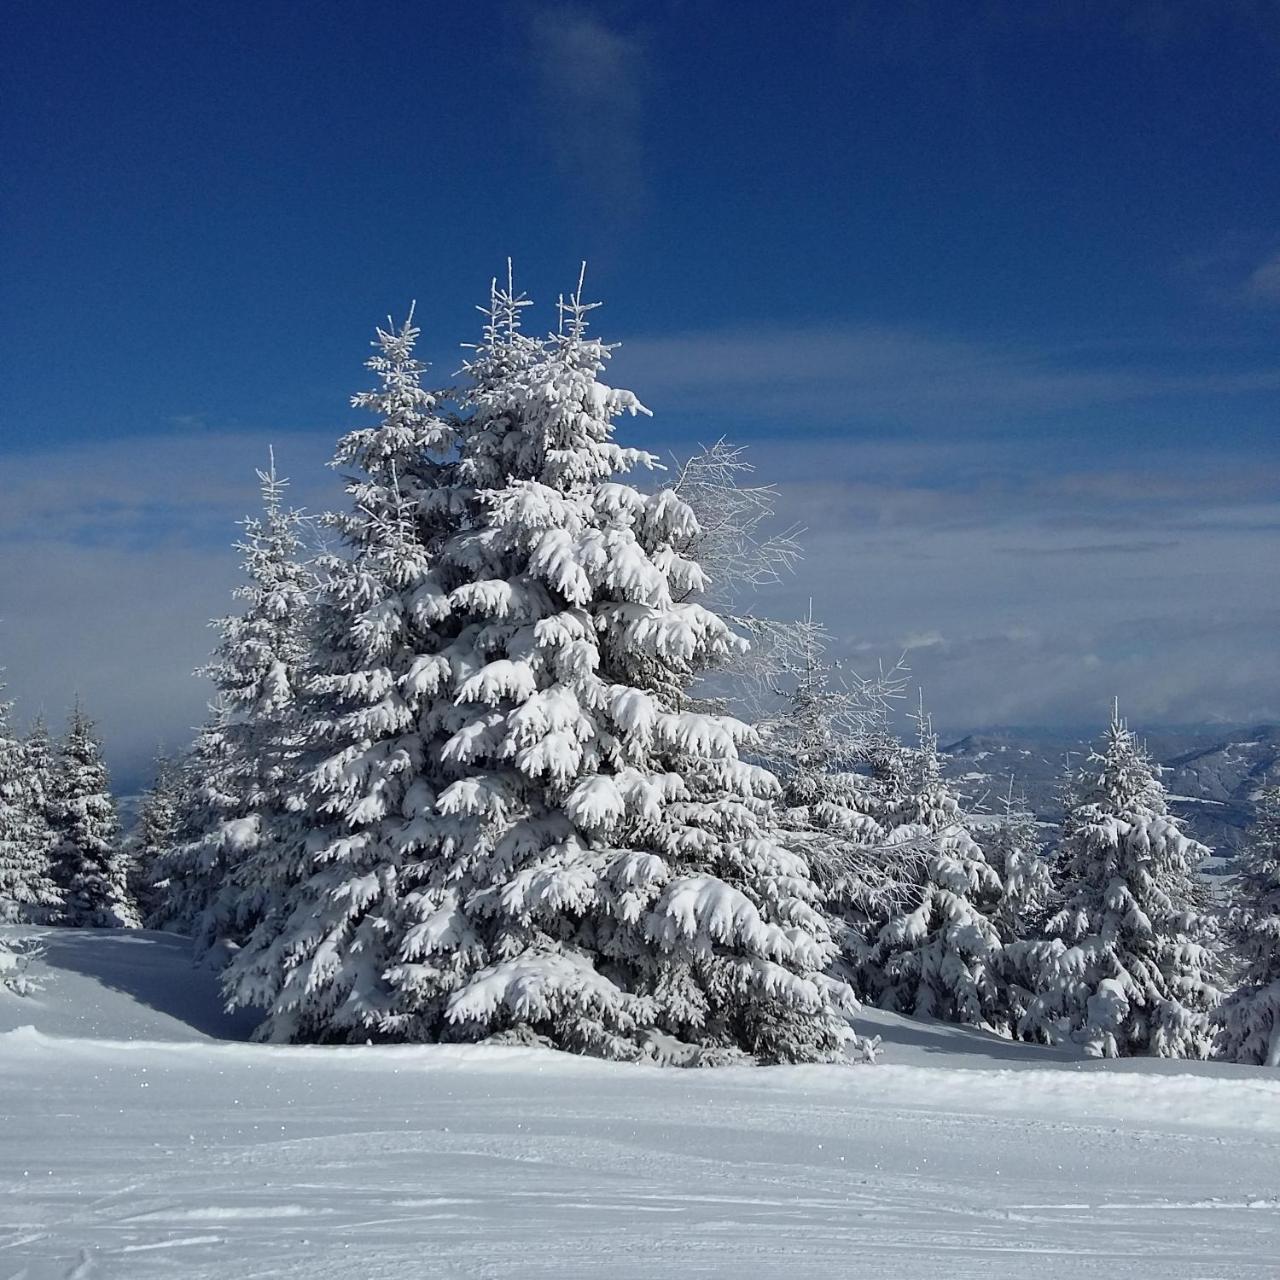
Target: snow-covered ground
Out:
[138,1139]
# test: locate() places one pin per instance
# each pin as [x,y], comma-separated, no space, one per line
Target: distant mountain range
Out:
[1212,773]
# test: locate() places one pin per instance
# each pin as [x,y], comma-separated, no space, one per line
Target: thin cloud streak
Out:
[918,381]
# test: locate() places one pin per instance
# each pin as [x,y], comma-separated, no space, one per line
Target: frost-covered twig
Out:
[732,545]
[16,957]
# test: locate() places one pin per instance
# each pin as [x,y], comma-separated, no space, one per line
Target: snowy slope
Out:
[134,1144]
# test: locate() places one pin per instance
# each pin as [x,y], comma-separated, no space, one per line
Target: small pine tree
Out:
[89,865]
[27,891]
[1249,1020]
[815,741]
[932,947]
[260,669]
[153,838]
[241,771]
[1014,848]
[190,872]
[41,771]
[1128,967]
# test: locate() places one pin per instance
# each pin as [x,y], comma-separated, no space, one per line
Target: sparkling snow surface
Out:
[134,1144]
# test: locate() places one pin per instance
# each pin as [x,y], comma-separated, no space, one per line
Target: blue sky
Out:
[991,288]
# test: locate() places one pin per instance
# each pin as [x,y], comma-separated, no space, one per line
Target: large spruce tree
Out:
[527,830]
[328,875]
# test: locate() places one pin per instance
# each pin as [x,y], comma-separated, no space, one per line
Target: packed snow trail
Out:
[134,1145]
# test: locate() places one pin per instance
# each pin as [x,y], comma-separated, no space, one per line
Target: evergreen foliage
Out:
[1128,967]
[152,840]
[89,865]
[41,763]
[329,874]
[526,829]
[188,874]
[932,947]
[471,776]
[1014,848]
[1249,1020]
[241,772]
[27,891]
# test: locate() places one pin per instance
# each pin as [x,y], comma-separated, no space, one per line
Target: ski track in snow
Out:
[164,1153]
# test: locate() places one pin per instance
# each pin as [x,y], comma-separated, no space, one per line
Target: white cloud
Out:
[591,79]
[1182,628]
[1263,284]
[922,640]
[871,375]
[1240,268]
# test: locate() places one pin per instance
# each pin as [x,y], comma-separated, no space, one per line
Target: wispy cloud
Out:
[1238,270]
[1022,609]
[1095,549]
[172,490]
[591,78]
[1028,586]
[1263,284]
[908,380]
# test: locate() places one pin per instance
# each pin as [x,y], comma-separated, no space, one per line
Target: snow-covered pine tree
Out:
[814,738]
[260,664]
[153,838]
[1014,848]
[42,762]
[527,821]
[1249,1019]
[27,891]
[818,739]
[189,874]
[1129,967]
[241,774]
[932,947]
[88,863]
[597,872]
[329,876]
